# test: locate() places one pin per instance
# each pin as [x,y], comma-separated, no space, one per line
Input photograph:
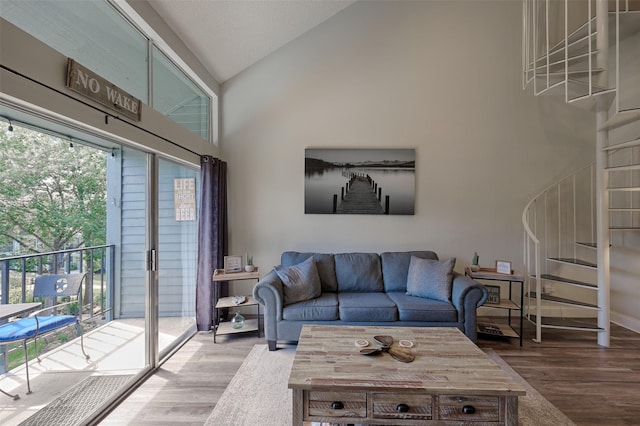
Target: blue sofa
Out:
[362,289]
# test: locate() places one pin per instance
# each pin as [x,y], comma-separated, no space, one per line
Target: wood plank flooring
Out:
[590,384]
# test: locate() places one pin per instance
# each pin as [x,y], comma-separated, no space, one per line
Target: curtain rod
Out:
[106,113]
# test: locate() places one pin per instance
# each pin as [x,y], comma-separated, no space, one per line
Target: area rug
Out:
[258,394]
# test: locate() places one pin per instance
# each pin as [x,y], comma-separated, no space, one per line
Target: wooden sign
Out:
[91,85]
[184,199]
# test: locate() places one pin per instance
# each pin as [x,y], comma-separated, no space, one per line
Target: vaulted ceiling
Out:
[228,36]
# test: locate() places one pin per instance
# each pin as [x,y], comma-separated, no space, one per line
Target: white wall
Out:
[441,77]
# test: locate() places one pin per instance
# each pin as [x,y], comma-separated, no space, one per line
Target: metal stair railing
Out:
[548,234]
[574,48]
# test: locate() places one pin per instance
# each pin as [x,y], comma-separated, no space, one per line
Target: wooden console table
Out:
[451,381]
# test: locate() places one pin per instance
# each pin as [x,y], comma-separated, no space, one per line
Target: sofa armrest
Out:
[269,293]
[467,295]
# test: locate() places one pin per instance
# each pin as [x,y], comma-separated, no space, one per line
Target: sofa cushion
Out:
[324,262]
[358,272]
[429,278]
[395,266]
[323,308]
[359,306]
[301,281]
[411,308]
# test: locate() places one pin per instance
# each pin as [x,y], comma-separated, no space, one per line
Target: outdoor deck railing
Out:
[17,275]
[18,272]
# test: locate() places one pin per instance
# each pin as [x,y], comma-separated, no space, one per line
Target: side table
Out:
[490,274]
[228,302]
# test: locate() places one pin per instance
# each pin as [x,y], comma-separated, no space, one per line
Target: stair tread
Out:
[575,72]
[566,280]
[566,322]
[628,144]
[622,118]
[591,245]
[573,261]
[625,189]
[552,298]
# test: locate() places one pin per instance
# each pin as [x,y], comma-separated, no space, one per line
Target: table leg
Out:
[511,411]
[298,405]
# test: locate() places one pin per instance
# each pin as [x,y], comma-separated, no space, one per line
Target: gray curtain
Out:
[212,238]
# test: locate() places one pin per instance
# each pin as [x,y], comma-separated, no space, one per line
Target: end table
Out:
[228,302]
[490,274]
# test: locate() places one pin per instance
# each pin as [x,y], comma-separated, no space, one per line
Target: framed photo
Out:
[494,294]
[503,267]
[232,264]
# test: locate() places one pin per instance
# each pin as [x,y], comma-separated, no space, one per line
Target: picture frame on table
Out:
[493,294]
[232,264]
[503,267]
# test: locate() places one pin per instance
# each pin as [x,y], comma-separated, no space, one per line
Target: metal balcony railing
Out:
[17,276]
[18,272]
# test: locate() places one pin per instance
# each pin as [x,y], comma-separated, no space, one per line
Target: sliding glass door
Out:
[178,201]
[141,294]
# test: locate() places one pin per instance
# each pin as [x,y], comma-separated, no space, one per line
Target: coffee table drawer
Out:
[476,408]
[337,404]
[402,406]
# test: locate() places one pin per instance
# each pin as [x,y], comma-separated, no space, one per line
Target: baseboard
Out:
[626,321]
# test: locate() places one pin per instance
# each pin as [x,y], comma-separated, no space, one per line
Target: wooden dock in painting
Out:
[360,198]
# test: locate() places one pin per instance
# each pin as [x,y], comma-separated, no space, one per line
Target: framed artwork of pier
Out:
[359,181]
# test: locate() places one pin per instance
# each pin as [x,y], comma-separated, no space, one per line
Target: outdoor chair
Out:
[52,317]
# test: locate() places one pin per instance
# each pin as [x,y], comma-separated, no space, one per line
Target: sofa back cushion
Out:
[431,279]
[301,281]
[324,262]
[358,272]
[395,267]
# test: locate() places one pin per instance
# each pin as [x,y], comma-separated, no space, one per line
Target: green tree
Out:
[52,194]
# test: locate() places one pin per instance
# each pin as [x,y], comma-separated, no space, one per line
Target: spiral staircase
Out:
[589,52]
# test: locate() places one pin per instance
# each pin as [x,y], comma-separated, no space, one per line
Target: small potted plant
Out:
[249,263]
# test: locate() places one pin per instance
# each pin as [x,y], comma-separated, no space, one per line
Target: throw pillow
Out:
[431,279]
[301,281]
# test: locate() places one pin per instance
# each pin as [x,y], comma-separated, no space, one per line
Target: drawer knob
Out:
[468,409]
[402,408]
[337,405]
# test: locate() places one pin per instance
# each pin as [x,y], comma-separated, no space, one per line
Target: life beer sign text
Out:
[91,85]
[184,199]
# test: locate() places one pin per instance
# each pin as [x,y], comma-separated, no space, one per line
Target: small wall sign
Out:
[184,199]
[89,84]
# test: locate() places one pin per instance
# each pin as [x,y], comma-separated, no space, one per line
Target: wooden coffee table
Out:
[450,381]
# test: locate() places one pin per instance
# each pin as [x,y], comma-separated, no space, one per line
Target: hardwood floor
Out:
[590,384]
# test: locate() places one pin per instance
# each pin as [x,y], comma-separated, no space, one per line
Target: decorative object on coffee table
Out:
[401,354]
